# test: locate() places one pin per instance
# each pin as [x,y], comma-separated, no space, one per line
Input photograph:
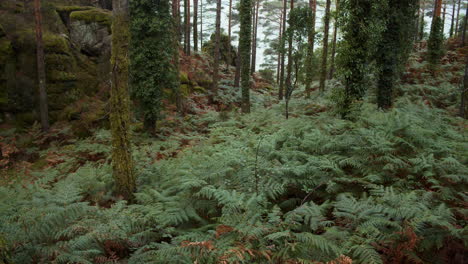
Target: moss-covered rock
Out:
[54,43]
[69,9]
[60,76]
[199,89]
[185,90]
[94,15]
[184,78]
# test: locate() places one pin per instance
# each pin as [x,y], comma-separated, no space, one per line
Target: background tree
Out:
[436,37]
[214,88]
[187,28]
[122,162]
[333,51]
[457,17]
[452,23]
[195,25]
[282,51]
[41,67]
[244,51]
[254,37]
[152,72]
[323,71]
[290,59]
[310,47]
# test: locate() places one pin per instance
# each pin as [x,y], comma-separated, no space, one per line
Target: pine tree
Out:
[290,58]
[176,16]
[282,50]
[310,47]
[457,17]
[323,72]
[254,38]
[41,67]
[244,51]
[187,26]
[122,162]
[452,23]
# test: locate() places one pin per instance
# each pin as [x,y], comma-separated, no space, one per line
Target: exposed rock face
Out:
[92,39]
[77,51]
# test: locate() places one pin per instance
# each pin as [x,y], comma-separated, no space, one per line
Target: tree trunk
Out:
[41,67]
[417,21]
[254,42]
[201,23]
[452,24]
[458,15]
[323,73]
[214,88]
[464,28]
[310,47]
[443,17]
[244,50]
[195,25]
[187,26]
[238,69]
[464,94]
[176,16]
[335,29]
[278,66]
[229,57]
[122,162]
[282,49]
[421,22]
[290,60]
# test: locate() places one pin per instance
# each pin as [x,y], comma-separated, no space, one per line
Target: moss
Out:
[93,15]
[59,61]
[205,83]
[70,9]
[5,49]
[54,75]
[199,89]
[54,43]
[184,78]
[185,90]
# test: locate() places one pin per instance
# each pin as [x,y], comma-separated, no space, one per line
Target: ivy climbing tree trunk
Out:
[214,87]
[195,25]
[201,23]
[122,162]
[254,38]
[310,47]
[323,70]
[244,50]
[282,50]
[43,107]
[436,37]
[333,52]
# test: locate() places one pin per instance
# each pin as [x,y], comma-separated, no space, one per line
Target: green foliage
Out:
[152,57]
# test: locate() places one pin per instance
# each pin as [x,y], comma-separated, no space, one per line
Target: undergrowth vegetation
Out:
[387,187]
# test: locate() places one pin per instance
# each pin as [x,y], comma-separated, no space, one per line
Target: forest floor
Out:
[221,187]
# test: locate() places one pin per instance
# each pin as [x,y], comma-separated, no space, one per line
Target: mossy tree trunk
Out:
[245,34]
[290,59]
[282,51]
[310,47]
[176,16]
[187,27]
[457,17]
[214,85]
[436,38]
[41,67]
[122,162]
[323,70]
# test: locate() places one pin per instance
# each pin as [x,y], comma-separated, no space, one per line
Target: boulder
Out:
[90,31]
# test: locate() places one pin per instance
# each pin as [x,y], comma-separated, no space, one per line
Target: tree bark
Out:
[214,88]
[443,17]
[281,86]
[122,162]
[311,43]
[323,73]
[244,50]
[452,24]
[43,107]
[229,57]
[335,30]
[187,26]
[195,25]
[254,42]
[176,16]
[238,69]
[458,15]
[464,28]
[201,23]
[278,66]
[421,23]
[290,60]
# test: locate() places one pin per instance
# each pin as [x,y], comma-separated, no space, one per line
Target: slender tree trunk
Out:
[278,66]
[323,73]
[464,27]
[176,16]
[254,42]
[244,50]
[335,29]
[41,67]
[458,15]
[452,24]
[122,162]
[421,22]
[176,21]
[281,86]
[195,25]
[229,59]
[238,68]
[201,23]
[187,26]
[443,17]
[417,22]
[290,61]
[214,88]
[310,47]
